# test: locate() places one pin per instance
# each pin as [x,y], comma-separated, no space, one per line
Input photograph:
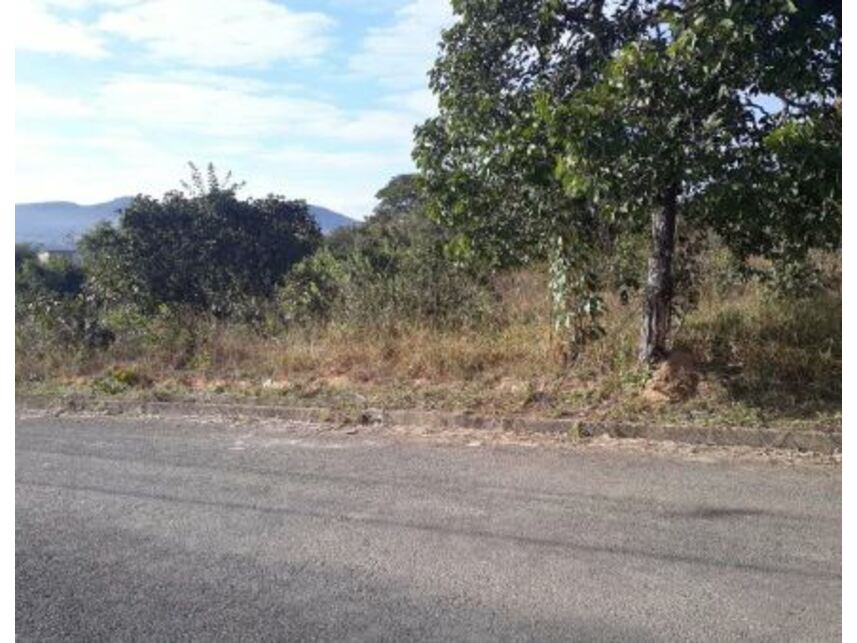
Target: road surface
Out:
[153,530]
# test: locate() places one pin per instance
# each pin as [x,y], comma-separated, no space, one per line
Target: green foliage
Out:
[24,252]
[623,265]
[400,197]
[65,322]
[393,268]
[210,251]
[798,279]
[56,278]
[211,184]
[53,304]
[691,104]
[313,287]
[487,160]
[119,379]
[790,190]
[576,301]
[576,120]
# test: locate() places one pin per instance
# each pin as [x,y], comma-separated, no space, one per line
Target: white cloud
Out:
[376,125]
[365,6]
[221,33]
[344,180]
[77,5]
[139,130]
[135,131]
[31,101]
[311,161]
[91,169]
[401,54]
[214,108]
[225,107]
[422,103]
[38,29]
[123,161]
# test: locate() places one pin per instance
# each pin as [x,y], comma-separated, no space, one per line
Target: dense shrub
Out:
[394,268]
[212,252]
[52,304]
[56,277]
[313,287]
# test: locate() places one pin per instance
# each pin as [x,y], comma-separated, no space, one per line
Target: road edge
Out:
[821,442]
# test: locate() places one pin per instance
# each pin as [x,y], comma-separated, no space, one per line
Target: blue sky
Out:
[310,99]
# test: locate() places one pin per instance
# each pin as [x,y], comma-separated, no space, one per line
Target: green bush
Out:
[53,305]
[423,287]
[798,278]
[58,277]
[392,269]
[119,379]
[773,350]
[313,287]
[210,251]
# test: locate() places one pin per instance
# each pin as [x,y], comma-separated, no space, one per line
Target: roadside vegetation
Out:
[639,221]
[378,315]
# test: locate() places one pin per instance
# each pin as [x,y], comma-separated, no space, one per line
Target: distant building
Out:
[46,255]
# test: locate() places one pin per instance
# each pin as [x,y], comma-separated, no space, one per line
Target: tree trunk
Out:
[659,283]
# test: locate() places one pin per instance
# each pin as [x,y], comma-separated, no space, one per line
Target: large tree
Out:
[488,160]
[558,118]
[723,112]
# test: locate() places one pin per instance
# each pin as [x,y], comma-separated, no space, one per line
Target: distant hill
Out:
[58,225]
[328,220]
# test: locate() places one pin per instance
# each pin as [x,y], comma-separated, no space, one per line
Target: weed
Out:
[763,358]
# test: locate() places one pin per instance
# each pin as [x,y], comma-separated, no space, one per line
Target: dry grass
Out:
[763,361]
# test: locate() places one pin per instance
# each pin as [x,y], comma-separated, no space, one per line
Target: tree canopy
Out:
[733,105]
[210,250]
[562,119]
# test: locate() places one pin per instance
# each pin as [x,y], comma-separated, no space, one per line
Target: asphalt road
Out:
[155,530]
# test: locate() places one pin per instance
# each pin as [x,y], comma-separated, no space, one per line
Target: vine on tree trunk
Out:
[576,304]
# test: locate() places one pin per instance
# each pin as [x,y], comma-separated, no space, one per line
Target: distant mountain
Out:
[328,220]
[57,225]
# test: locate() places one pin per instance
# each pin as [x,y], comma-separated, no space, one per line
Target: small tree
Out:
[209,251]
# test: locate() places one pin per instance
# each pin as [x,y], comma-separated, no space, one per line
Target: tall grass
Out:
[779,356]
